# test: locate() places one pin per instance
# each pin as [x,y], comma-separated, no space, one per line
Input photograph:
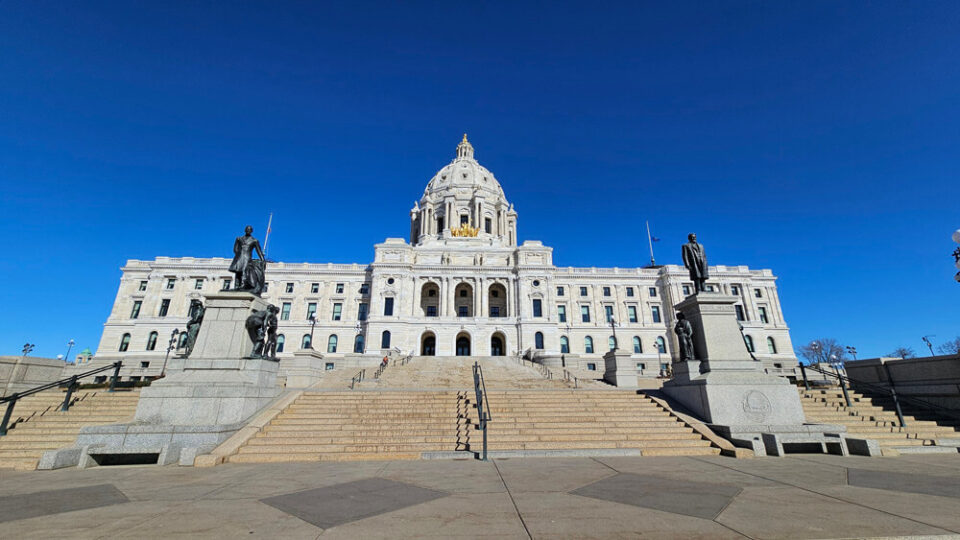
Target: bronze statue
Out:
[262,329]
[695,260]
[248,271]
[684,331]
[193,325]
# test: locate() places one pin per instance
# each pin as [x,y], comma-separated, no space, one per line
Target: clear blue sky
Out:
[818,139]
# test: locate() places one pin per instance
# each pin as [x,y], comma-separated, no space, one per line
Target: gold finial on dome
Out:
[465,149]
[464,137]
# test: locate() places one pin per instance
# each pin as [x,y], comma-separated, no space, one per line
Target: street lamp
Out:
[170,347]
[926,339]
[956,254]
[852,351]
[817,350]
[27,349]
[70,345]
[613,326]
[313,323]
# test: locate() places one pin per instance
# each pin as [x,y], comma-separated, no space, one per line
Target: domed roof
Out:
[463,176]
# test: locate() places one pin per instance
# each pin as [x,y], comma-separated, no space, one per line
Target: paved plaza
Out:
[809,496]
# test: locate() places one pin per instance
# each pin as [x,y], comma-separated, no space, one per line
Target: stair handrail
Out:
[892,392]
[71,383]
[357,378]
[483,405]
[567,377]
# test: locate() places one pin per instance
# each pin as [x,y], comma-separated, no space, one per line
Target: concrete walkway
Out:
[810,496]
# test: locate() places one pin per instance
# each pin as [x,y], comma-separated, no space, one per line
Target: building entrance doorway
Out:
[496,346]
[463,345]
[429,346]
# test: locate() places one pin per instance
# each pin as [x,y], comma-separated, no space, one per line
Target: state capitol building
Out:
[461,286]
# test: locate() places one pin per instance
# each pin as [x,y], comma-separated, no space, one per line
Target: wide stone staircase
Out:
[875,418]
[38,424]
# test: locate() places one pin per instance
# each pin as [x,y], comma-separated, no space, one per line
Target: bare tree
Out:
[821,350]
[950,347]
[902,352]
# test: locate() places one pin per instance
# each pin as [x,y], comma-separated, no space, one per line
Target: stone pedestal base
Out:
[305,369]
[620,369]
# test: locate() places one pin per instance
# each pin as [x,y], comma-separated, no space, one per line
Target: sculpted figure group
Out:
[262,328]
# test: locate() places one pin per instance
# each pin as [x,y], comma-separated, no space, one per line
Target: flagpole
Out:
[653,262]
[270,222]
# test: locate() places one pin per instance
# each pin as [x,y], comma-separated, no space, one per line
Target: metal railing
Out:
[357,378]
[483,406]
[72,384]
[380,370]
[891,392]
[570,377]
[544,370]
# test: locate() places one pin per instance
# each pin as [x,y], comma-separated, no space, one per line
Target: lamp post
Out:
[926,339]
[852,351]
[613,326]
[170,347]
[817,350]
[27,349]
[956,254]
[70,345]
[313,323]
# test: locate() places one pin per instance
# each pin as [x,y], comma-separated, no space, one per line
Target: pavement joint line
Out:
[510,494]
[836,498]
[604,464]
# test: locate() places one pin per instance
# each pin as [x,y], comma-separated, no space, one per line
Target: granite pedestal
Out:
[620,369]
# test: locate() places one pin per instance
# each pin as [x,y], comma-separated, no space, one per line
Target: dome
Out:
[463,176]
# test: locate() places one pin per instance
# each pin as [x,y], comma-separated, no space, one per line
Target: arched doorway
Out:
[428,345]
[497,345]
[463,345]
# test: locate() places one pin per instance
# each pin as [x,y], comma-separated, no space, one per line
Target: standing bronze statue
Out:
[684,331]
[193,325]
[695,260]
[249,272]
[262,329]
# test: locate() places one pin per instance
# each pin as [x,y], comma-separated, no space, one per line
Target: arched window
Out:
[183,340]
[749,341]
[305,342]
[637,346]
[612,342]
[771,346]
[661,345]
[358,344]
[332,343]
[588,345]
[124,343]
[385,340]
[280,340]
[564,344]
[152,341]
[538,340]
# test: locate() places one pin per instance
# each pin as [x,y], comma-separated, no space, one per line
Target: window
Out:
[661,345]
[100,379]
[135,312]
[585,313]
[652,291]
[494,311]
[226,284]
[488,225]
[739,309]
[686,290]
[663,368]
[538,340]
[612,343]
[124,343]
[536,283]
[608,312]
[390,281]
[763,314]
[463,293]
[537,307]
[152,341]
[337,311]
[588,345]
[641,366]
[771,346]
[583,291]
[562,313]
[559,291]
[332,343]
[439,223]
[144,365]
[285,312]
[314,288]
[312,311]
[328,366]
[358,344]
[182,342]
[606,291]
[362,310]
[339,288]
[143,286]
[385,340]
[305,342]
[164,307]
[280,340]
[749,341]
[388,306]
[629,291]
[365,288]
[637,346]
[464,219]
[494,293]
[462,311]
[591,366]
[171,283]
[655,313]
[198,284]
[734,289]
[758,293]
[564,345]
[632,313]
[432,311]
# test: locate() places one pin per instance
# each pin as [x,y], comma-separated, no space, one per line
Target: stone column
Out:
[417,288]
[476,296]
[483,312]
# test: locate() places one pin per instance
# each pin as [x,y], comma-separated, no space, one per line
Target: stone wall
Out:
[933,378]
[19,373]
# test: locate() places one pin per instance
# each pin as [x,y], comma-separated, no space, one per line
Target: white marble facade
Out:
[469,284]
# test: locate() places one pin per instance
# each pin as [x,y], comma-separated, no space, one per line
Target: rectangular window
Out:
[686,290]
[432,311]
[362,310]
[585,313]
[311,310]
[143,286]
[488,225]
[172,282]
[494,311]
[388,306]
[629,291]
[439,223]
[164,307]
[226,284]
[198,284]
[653,292]
[734,289]
[606,291]
[337,311]
[144,365]
[608,311]
[655,312]
[135,312]
[365,288]
[583,291]
[591,366]
[339,288]
[314,288]
[289,288]
[464,219]
[462,311]
[758,293]
[328,366]
[559,291]
[285,312]
[562,313]
[632,313]
[537,308]
[709,288]
[740,316]
[641,366]
[763,314]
